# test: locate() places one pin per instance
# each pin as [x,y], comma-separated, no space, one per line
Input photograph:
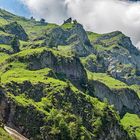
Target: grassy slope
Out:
[111,82]
[107,80]
[131,123]
[56,96]
[105,42]
[136,88]
[4,135]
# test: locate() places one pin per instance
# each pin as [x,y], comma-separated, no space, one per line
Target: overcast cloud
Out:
[96,15]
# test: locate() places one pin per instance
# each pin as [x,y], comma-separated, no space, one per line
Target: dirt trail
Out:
[15,134]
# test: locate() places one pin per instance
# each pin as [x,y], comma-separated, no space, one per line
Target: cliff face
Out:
[75,37]
[124,100]
[64,66]
[117,56]
[17,30]
[5,38]
[71,67]
[19,117]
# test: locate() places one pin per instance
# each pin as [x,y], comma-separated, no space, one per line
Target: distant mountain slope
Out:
[60,82]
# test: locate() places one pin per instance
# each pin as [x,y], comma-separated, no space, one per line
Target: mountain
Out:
[61,82]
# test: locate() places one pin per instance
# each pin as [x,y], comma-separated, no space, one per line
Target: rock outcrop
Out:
[117,56]
[17,30]
[76,37]
[124,100]
[64,66]
[5,38]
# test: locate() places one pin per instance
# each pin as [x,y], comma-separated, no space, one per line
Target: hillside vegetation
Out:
[60,82]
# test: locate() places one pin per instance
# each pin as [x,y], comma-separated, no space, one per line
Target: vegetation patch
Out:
[4,135]
[131,122]
[107,80]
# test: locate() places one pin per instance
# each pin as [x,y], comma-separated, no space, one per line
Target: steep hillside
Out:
[131,123]
[116,56]
[60,82]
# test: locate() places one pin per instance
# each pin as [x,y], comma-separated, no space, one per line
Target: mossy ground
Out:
[4,135]
[131,123]
[107,80]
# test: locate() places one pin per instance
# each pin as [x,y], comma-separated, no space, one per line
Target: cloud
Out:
[96,15]
[51,10]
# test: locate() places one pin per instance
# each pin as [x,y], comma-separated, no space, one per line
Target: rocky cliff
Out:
[117,56]
[72,35]
[124,100]
[17,30]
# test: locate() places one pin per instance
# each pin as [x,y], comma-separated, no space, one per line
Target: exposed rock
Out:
[5,38]
[81,33]
[42,21]
[76,37]
[16,29]
[56,37]
[69,67]
[15,44]
[118,57]
[69,20]
[3,107]
[124,100]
